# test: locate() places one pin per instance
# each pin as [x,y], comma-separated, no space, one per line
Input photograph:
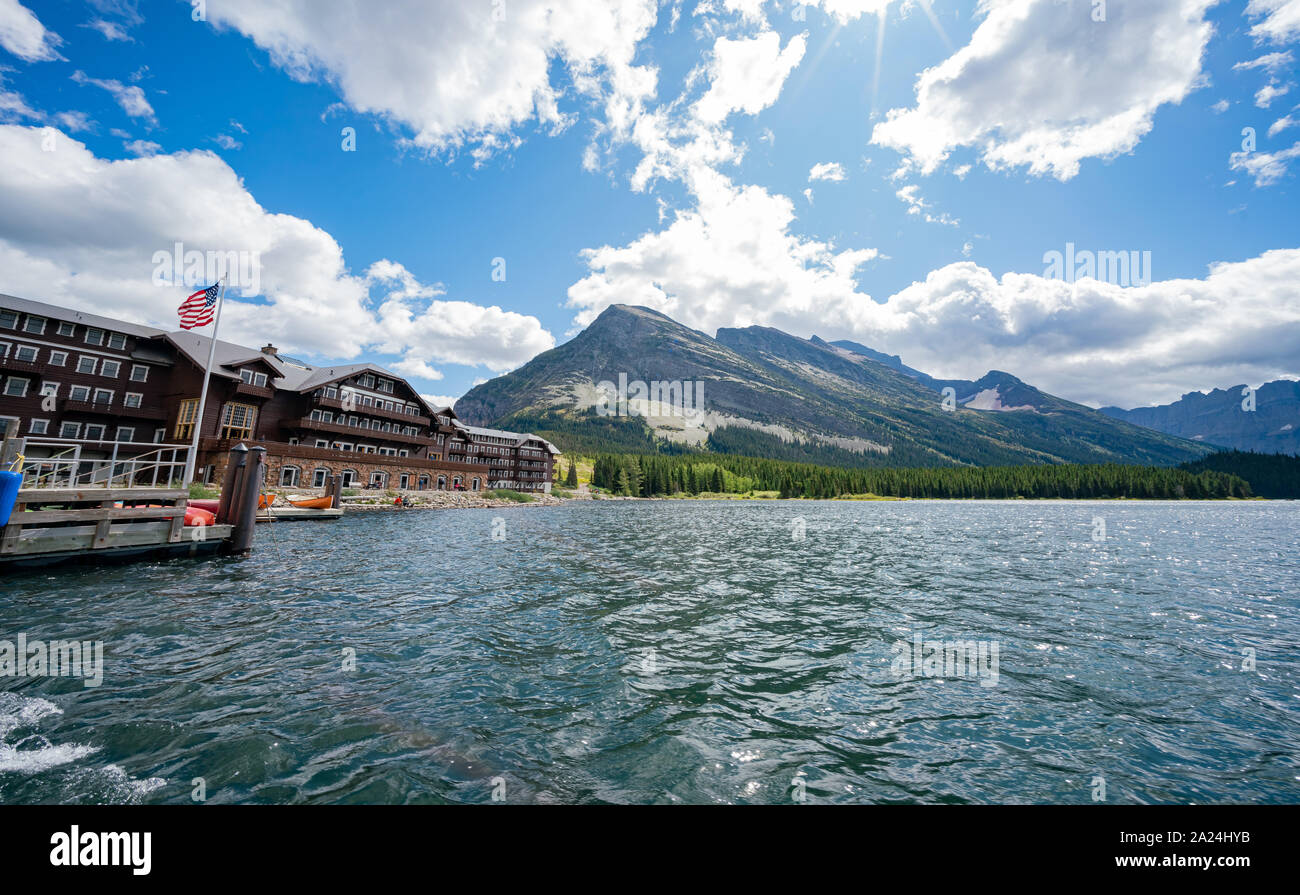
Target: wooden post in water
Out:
[336,491]
[241,539]
[231,486]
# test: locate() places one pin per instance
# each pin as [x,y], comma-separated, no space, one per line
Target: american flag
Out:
[197,310]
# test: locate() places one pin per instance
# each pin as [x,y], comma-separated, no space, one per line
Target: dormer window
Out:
[253,378]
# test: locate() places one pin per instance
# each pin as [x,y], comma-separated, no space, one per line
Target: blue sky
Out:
[493,130]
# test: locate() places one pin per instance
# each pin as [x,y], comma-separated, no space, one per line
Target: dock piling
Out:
[250,486]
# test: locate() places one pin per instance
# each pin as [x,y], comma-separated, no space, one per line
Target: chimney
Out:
[270,349]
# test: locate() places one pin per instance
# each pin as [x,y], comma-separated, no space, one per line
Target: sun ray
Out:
[934,20]
[880,51]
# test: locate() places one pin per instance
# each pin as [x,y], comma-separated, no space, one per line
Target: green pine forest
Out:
[657,475]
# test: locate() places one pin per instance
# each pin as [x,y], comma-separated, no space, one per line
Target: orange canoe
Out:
[314,503]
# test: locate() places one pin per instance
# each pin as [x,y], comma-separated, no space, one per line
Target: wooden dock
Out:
[89,524]
[296,514]
[75,507]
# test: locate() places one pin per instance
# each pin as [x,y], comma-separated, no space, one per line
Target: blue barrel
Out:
[9,482]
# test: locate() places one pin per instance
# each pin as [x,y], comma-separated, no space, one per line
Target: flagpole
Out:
[192,457]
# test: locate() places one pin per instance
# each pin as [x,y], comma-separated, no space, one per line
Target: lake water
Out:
[735,652]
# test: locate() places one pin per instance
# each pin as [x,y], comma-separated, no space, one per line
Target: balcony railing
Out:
[358,432]
[10,362]
[410,419]
[127,464]
[144,411]
[255,391]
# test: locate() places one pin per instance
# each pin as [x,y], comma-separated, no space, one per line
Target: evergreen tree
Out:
[571,480]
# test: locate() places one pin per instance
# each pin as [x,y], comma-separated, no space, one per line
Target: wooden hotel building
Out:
[69,375]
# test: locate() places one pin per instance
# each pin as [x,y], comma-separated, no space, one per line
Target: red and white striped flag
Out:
[199,308]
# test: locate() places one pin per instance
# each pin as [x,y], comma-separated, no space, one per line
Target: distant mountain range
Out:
[771,394]
[1221,417]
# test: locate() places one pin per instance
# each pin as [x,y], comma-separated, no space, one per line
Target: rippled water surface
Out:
[679,652]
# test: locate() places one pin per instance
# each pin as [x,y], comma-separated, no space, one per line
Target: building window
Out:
[79,393]
[8,319]
[159,435]
[252,378]
[319,477]
[34,325]
[70,430]
[349,476]
[27,353]
[455,483]
[86,364]
[58,358]
[379,479]
[289,476]
[125,433]
[404,482]
[474,485]
[103,396]
[366,381]
[38,427]
[442,483]
[423,483]
[110,368]
[322,443]
[67,329]
[139,373]
[237,420]
[116,341]
[94,336]
[16,387]
[132,399]
[94,432]
[8,424]
[185,417]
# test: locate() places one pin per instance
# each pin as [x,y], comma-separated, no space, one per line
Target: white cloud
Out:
[746,74]
[1108,79]
[1265,95]
[1220,107]
[142,147]
[454,73]
[826,171]
[81,231]
[1282,124]
[730,261]
[1279,20]
[225,141]
[440,401]
[75,122]
[22,34]
[916,205]
[735,263]
[1266,167]
[111,31]
[1272,63]
[131,99]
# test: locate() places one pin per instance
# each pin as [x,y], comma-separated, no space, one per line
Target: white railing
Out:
[128,464]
